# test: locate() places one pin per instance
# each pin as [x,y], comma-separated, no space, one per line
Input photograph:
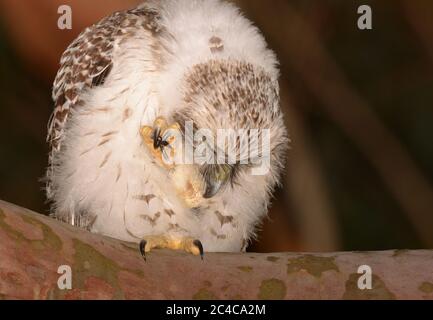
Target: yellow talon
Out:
[153,139]
[186,244]
[160,123]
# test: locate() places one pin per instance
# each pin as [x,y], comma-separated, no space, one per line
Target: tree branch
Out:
[32,247]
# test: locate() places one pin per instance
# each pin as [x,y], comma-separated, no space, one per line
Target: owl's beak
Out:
[212,189]
[215,177]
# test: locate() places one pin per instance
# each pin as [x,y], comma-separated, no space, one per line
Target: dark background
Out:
[358,105]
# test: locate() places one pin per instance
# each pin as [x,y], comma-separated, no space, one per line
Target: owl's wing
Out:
[87,62]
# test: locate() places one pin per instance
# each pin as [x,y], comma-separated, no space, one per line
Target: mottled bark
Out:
[32,247]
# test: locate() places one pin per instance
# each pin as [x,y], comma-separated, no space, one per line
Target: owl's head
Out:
[232,127]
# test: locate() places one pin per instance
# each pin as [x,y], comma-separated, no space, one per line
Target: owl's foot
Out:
[160,140]
[187,244]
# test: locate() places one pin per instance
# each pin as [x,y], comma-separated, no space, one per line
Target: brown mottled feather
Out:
[87,63]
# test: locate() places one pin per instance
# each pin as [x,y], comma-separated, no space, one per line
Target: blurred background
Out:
[358,106]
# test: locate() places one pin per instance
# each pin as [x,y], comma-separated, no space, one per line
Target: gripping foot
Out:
[187,244]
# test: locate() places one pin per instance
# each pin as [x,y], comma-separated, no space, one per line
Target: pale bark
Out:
[32,247]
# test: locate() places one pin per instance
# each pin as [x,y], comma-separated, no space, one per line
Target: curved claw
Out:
[198,244]
[162,242]
[157,138]
[143,249]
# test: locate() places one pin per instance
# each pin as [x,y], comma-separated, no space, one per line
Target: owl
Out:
[142,99]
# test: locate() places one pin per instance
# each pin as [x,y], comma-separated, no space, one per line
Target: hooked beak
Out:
[216,177]
[212,189]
